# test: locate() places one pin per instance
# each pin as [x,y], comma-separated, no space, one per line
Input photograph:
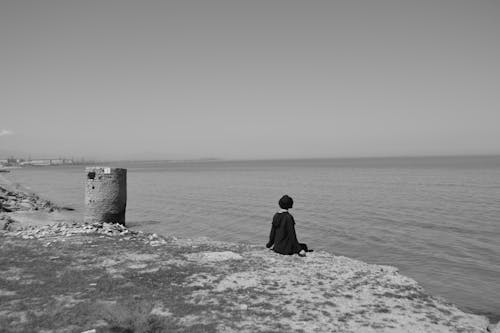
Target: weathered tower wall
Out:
[105,195]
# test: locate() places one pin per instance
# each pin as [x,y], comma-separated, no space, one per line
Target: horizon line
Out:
[216,159]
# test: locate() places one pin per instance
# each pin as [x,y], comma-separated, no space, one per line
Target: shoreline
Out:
[380,293]
[21,207]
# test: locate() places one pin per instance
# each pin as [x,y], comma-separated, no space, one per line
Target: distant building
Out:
[38,162]
[60,161]
[56,162]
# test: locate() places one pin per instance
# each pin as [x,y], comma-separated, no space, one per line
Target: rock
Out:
[62,230]
[10,224]
[4,208]
[25,205]
[494,328]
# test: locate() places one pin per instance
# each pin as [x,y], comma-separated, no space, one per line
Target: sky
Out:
[249,79]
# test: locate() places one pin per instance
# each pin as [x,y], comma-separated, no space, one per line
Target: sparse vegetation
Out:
[72,278]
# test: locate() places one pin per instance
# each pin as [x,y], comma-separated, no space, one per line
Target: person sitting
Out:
[282,234]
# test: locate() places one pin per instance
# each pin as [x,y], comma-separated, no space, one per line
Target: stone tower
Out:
[105,195]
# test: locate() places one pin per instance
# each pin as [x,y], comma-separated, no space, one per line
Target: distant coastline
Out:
[14,161]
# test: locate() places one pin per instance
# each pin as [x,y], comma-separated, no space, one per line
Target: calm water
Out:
[437,219]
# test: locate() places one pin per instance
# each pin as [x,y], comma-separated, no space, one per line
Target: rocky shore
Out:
[75,277]
[20,207]
[12,201]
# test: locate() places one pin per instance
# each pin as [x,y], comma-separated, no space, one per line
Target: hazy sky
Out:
[249,79]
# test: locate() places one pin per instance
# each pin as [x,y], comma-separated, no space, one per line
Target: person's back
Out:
[285,240]
[282,234]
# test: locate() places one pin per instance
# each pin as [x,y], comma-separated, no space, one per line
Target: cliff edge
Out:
[106,278]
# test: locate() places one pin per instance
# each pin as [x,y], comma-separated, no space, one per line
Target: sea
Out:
[435,218]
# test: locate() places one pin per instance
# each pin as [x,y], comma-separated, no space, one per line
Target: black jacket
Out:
[283,234]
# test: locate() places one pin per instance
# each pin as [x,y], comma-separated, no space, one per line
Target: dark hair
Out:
[286,202]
